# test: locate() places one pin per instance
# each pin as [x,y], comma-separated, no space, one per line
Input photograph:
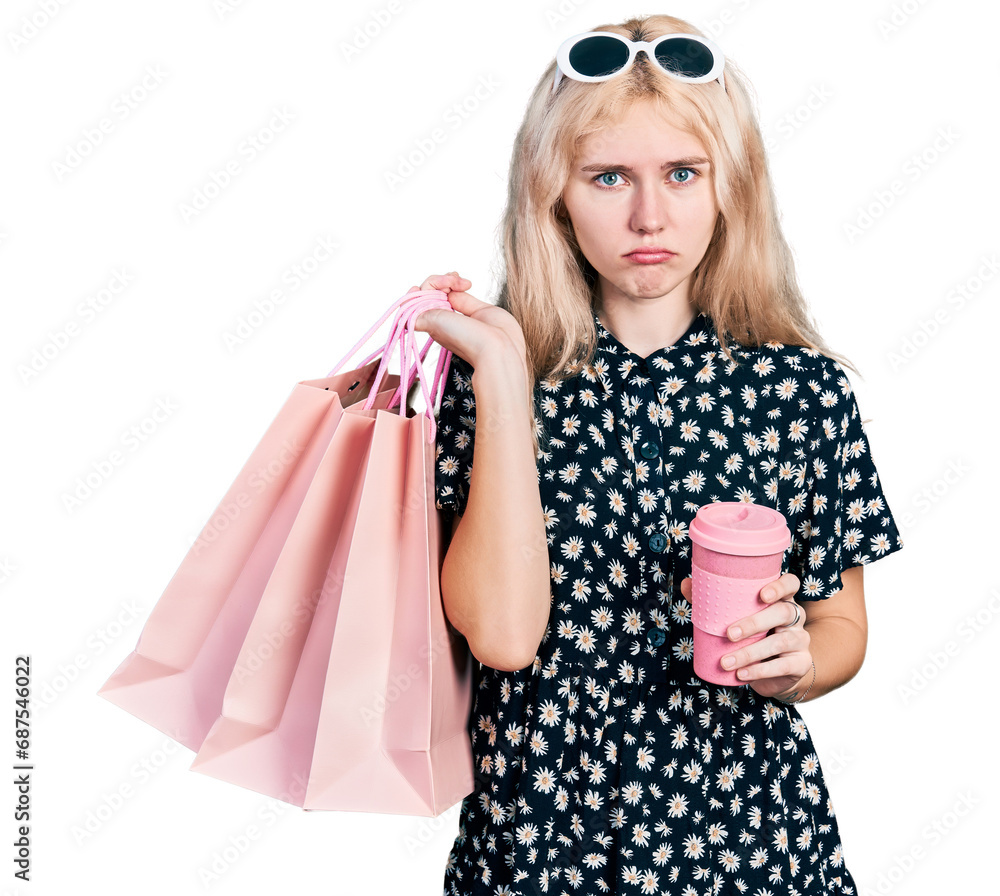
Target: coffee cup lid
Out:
[733,527]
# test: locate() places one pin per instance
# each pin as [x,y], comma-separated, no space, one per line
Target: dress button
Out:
[658,541]
[650,449]
[656,636]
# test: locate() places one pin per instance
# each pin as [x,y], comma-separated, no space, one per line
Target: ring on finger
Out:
[798,616]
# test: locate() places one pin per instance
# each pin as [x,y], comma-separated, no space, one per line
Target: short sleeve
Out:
[842,519]
[455,438]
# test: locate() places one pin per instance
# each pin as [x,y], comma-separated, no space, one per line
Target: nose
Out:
[650,209]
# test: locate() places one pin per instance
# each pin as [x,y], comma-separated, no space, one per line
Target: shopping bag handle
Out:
[411,361]
[406,308]
[403,336]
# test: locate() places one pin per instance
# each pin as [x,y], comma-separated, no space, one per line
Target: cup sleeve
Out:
[842,519]
[455,439]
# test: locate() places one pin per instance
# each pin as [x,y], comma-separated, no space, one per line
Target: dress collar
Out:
[669,368]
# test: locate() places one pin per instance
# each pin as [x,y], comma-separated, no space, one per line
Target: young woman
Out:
[650,352]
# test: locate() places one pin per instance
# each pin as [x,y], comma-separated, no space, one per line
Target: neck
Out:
[646,326]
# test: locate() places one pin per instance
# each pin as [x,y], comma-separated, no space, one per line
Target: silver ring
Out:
[798,615]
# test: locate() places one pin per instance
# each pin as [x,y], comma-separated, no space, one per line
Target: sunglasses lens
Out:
[595,56]
[682,56]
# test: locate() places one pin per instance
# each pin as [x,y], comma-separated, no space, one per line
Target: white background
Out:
[898,762]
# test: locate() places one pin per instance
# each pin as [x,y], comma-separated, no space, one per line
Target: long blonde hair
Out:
[746,280]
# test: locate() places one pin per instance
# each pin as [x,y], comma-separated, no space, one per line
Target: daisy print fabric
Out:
[607,765]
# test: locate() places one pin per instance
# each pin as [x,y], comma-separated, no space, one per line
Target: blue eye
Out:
[606,174]
[690,175]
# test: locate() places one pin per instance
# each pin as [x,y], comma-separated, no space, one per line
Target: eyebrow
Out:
[676,163]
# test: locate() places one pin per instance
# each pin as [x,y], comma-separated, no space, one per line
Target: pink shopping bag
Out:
[302,648]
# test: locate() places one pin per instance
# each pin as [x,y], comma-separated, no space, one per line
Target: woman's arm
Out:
[838,637]
[495,577]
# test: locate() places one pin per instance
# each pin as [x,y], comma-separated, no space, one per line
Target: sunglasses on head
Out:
[599,55]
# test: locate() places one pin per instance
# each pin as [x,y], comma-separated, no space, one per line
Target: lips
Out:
[651,250]
[650,255]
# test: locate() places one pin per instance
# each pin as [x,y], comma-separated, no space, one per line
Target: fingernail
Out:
[728,662]
[735,632]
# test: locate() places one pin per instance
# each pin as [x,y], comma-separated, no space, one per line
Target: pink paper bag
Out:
[302,648]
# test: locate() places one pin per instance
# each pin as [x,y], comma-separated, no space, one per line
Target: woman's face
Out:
[615,211]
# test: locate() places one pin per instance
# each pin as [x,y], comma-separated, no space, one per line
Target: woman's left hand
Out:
[774,664]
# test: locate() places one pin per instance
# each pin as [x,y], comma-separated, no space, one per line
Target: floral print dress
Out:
[607,765]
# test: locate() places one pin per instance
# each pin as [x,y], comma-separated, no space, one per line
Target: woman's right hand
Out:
[481,329]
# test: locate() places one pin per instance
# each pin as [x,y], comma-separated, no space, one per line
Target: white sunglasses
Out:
[599,55]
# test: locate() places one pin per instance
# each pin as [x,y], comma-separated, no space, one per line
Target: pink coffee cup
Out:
[736,550]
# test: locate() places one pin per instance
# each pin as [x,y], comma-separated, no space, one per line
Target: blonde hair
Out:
[746,280]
